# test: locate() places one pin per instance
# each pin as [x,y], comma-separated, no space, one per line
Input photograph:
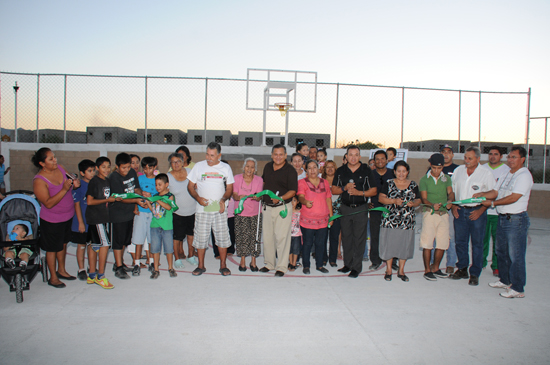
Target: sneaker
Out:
[121,273]
[374,266]
[89,280]
[460,274]
[10,263]
[193,260]
[306,270]
[104,283]
[511,293]
[126,268]
[440,274]
[474,280]
[430,276]
[136,271]
[151,267]
[82,275]
[23,265]
[323,270]
[172,273]
[178,264]
[155,274]
[499,285]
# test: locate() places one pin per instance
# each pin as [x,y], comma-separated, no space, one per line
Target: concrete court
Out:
[255,318]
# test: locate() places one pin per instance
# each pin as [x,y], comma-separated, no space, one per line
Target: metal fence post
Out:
[65,111]
[37,106]
[205,107]
[145,137]
[402,115]
[544,152]
[479,127]
[459,117]
[528,121]
[336,122]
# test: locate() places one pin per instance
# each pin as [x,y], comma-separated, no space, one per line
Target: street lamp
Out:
[16,88]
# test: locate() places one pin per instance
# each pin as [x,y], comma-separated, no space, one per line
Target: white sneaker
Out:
[193,260]
[499,285]
[511,293]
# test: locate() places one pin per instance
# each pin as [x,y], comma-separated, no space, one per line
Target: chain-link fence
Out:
[179,110]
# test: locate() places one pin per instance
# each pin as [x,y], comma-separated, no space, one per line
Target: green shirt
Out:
[161,217]
[437,190]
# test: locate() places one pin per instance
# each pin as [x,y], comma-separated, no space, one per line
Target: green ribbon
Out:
[282,213]
[469,201]
[385,214]
[152,199]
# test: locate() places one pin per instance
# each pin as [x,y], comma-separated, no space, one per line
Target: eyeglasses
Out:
[176,162]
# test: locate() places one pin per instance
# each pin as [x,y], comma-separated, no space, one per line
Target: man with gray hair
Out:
[471,180]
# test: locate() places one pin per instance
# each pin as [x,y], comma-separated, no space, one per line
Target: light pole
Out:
[16,88]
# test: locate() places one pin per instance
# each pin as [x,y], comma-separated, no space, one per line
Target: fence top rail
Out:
[233,79]
[539,117]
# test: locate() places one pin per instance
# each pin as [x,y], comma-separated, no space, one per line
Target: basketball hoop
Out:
[283,107]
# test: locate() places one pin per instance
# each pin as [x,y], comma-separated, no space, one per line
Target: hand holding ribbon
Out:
[269,193]
[152,199]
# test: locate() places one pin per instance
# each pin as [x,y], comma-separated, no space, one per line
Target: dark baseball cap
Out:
[437,159]
[446,146]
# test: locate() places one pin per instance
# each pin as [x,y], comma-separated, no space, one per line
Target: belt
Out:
[353,205]
[509,215]
[474,207]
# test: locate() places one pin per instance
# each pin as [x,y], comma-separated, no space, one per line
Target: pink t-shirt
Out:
[240,187]
[315,217]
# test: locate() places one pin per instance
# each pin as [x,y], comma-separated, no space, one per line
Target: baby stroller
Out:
[20,207]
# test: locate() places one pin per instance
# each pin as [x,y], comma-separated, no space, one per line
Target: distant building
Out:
[223,137]
[162,136]
[311,139]
[111,135]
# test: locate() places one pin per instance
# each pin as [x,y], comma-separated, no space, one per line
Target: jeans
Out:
[490,231]
[334,237]
[466,229]
[311,237]
[511,245]
[161,238]
[451,251]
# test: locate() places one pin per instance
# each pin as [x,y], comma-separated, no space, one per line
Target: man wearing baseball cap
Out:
[437,194]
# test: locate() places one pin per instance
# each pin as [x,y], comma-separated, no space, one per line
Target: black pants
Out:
[375,220]
[230,249]
[354,235]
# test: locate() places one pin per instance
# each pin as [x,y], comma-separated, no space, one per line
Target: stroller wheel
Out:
[19,288]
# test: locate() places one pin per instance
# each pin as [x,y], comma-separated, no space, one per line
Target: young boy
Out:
[123,180]
[141,234]
[79,228]
[19,233]
[3,171]
[98,197]
[391,152]
[162,229]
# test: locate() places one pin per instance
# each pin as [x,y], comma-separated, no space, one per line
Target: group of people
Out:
[297,206]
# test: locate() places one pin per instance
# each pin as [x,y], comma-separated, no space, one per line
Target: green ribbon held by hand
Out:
[470,201]
[269,193]
[152,199]
[385,213]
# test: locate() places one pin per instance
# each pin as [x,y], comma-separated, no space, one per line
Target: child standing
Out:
[296,233]
[322,158]
[162,229]
[97,216]
[3,171]
[123,180]
[141,234]
[19,232]
[135,164]
[79,228]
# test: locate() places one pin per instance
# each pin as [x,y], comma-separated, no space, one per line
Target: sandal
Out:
[198,271]
[387,277]
[225,271]
[253,268]
[291,267]
[403,277]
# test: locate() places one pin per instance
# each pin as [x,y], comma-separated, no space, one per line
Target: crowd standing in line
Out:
[191,203]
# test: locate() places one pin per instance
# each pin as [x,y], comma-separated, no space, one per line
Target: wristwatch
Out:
[493,204]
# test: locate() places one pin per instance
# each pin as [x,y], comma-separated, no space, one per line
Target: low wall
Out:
[18,157]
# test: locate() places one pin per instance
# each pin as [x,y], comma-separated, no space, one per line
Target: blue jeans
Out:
[317,237]
[466,229]
[451,251]
[161,238]
[511,245]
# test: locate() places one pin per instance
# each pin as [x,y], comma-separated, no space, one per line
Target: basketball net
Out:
[283,108]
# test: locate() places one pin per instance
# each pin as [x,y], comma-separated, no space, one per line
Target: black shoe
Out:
[264,269]
[387,277]
[243,269]
[375,266]
[306,271]
[70,277]
[353,274]
[474,280]
[279,273]
[323,270]
[82,275]
[121,273]
[136,271]
[430,276]
[58,286]
[440,274]
[333,264]
[253,268]
[403,277]
[459,274]
[344,269]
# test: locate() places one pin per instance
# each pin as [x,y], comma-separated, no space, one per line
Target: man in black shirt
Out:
[281,178]
[354,182]
[380,176]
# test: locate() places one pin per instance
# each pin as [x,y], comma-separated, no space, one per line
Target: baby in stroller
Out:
[19,232]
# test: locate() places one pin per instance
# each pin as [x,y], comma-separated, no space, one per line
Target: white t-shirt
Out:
[464,186]
[519,182]
[498,173]
[211,181]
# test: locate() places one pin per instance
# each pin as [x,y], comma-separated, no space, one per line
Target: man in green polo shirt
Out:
[437,194]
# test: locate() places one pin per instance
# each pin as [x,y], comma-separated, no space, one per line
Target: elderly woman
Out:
[53,189]
[401,197]
[247,231]
[184,217]
[334,230]
[315,196]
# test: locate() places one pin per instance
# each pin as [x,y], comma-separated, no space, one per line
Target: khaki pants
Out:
[276,231]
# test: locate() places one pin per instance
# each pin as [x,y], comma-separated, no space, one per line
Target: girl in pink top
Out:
[315,196]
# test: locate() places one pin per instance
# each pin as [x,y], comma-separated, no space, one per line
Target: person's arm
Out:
[7,170]
[489,195]
[163,204]
[42,193]
[450,196]
[226,197]
[305,203]
[383,198]
[510,199]
[329,205]
[90,200]
[78,212]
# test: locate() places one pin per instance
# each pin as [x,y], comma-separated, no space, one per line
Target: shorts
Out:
[121,234]
[434,227]
[53,236]
[99,235]
[162,239]
[295,245]
[23,250]
[183,226]
[142,228]
[81,238]
[211,222]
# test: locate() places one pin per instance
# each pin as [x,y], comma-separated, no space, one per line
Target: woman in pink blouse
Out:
[247,234]
[315,196]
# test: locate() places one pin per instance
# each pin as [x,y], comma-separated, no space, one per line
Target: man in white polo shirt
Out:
[471,181]
[499,170]
[514,190]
